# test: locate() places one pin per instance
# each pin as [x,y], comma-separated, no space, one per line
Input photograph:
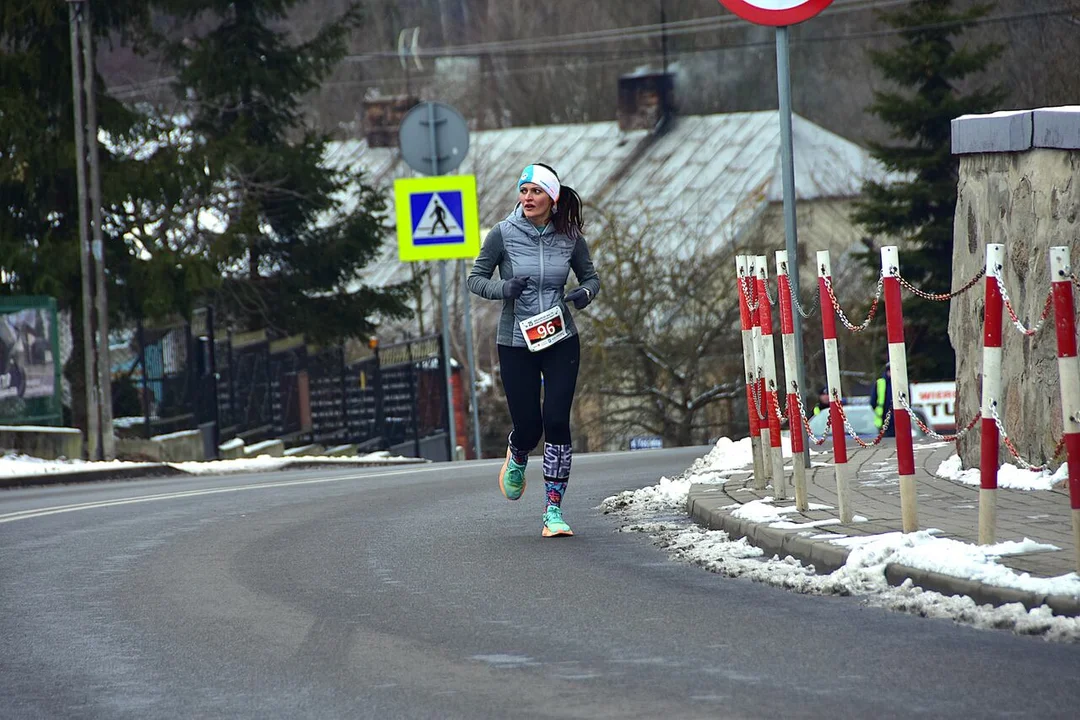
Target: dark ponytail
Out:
[568,219]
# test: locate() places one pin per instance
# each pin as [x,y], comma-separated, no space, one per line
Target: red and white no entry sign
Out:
[776,12]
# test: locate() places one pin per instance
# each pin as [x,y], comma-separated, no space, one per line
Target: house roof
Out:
[706,173]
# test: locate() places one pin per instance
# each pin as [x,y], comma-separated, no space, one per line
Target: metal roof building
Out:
[712,176]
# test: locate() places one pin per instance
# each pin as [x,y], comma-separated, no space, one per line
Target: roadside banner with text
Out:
[938,401]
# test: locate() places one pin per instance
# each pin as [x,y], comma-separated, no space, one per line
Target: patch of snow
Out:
[17,465]
[725,458]
[1009,476]
[40,429]
[863,574]
[788,525]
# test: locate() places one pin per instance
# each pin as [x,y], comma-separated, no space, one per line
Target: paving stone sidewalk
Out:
[946,505]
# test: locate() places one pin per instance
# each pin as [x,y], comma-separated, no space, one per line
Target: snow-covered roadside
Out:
[651,510]
[15,465]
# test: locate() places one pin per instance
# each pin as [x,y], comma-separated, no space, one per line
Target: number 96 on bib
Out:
[543,330]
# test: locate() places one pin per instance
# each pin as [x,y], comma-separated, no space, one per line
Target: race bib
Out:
[543,330]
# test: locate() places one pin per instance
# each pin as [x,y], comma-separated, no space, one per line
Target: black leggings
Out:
[521,371]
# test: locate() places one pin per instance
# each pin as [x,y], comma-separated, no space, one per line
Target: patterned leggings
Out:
[524,374]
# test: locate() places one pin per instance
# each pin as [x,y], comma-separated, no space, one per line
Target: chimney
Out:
[382,118]
[646,100]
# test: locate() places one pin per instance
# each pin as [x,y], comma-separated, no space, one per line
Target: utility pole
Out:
[90,377]
[108,442]
[96,364]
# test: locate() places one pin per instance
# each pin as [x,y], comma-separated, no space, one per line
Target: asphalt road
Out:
[421,593]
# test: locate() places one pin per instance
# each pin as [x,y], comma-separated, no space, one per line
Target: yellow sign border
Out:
[405,188]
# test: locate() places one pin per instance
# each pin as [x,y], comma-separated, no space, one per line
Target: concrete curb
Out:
[827,557]
[149,471]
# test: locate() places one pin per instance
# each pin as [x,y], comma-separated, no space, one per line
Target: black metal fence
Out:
[251,387]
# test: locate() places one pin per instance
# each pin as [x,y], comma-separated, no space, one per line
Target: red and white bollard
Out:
[1069,377]
[901,421]
[832,370]
[991,394]
[776,451]
[791,377]
[746,284]
[761,480]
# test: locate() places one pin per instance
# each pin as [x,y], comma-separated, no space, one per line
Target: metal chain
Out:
[806,421]
[1059,449]
[765,284]
[778,412]
[748,293]
[807,314]
[851,431]
[1012,312]
[755,393]
[930,432]
[941,297]
[1009,444]
[840,312]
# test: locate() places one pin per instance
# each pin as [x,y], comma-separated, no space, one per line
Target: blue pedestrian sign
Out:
[437,218]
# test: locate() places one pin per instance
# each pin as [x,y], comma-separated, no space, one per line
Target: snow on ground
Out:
[265,462]
[650,511]
[1009,476]
[15,465]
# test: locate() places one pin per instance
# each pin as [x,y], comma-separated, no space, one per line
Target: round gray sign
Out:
[434,138]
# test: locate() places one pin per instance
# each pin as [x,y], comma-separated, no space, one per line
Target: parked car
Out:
[861,418]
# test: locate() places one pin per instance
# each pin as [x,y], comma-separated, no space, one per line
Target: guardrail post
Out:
[894,325]
[791,379]
[1068,377]
[836,393]
[776,452]
[991,393]
[746,281]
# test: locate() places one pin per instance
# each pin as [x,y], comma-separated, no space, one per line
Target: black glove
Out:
[579,296]
[514,287]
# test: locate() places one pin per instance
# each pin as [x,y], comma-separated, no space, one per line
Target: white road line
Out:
[57,509]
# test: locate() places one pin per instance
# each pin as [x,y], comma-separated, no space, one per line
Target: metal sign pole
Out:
[472,363]
[787,153]
[434,143]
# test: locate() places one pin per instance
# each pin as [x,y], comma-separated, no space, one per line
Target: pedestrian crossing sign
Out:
[437,218]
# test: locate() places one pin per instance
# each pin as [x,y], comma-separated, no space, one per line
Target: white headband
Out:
[543,177]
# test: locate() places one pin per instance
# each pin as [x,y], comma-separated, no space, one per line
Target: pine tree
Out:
[917,210]
[39,215]
[292,233]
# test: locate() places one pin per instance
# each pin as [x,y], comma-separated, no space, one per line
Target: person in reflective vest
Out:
[823,401]
[881,401]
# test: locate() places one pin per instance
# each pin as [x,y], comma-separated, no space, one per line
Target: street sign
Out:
[434,138]
[777,13]
[437,218]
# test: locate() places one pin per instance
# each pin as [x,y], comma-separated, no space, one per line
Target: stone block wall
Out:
[1020,186]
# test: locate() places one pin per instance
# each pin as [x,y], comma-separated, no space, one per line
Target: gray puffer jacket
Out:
[518,248]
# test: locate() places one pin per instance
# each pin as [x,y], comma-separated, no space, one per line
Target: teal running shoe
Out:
[554,525]
[512,477]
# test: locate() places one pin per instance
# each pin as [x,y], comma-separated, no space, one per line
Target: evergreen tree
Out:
[39,215]
[917,210]
[291,233]
[39,236]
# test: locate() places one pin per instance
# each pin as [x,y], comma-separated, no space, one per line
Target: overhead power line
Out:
[512,48]
[638,32]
